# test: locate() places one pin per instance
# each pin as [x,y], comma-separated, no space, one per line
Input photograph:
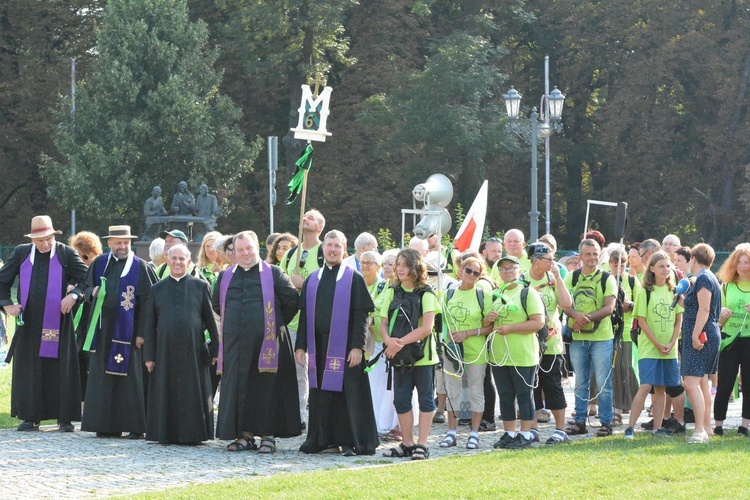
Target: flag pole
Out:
[302,216]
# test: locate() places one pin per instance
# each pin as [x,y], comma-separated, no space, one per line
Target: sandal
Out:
[544,416]
[267,445]
[485,426]
[421,452]
[392,435]
[617,420]
[604,431]
[472,443]
[399,451]
[448,441]
[576,428]
[242,443]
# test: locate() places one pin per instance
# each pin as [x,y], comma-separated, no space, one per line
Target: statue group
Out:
[186,210]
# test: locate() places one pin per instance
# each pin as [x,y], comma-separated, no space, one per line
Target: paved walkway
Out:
[51,464]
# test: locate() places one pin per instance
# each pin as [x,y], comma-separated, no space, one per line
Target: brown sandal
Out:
[576,428]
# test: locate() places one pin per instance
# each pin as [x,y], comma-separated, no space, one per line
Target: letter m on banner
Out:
[313,114]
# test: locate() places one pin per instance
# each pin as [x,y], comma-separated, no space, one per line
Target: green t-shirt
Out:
[515,349]
[310,265]
[375,295]
[429,304]
[461,313]
[547,288]
[495,274]
[735,299]
[659,318]
[587,298]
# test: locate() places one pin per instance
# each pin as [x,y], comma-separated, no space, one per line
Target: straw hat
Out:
[119,232]
[41,227]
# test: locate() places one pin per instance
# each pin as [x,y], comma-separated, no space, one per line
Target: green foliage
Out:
[150,114]
[385,240]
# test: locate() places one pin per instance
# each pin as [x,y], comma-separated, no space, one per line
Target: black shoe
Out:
[742,431]
[719,430]
[518,443]
[504,441]
[66,427]
[347,451]
[669,423]
[678,429]
[689,416]
[135,435]
[28,425]
[649,426]
[109,434]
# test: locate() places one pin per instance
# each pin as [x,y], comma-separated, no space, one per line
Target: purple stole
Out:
[118,360]
[50,345]
[268,360]
[333,374]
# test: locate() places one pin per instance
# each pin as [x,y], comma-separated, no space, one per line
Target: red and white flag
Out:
[469,235]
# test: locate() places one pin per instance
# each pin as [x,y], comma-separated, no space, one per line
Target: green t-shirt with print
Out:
[308,267]
[547,288]
[659,318]
[429,304]
[515,349]
[588,297]
[733,297]
[462,313]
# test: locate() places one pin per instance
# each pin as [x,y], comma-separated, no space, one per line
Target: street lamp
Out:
[538,127]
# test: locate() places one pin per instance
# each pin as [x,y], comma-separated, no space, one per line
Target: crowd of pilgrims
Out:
[356,349]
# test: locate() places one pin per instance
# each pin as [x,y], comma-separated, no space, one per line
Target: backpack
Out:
[635,329]
[588,293]
[618,314]
[321,257]
[404,312]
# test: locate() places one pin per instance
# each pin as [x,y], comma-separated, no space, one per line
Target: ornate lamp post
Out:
[538,127]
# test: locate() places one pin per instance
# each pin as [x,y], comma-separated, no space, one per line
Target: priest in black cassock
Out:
[333,321]
[45,383]
[258,383]
[118,283]
[178,356]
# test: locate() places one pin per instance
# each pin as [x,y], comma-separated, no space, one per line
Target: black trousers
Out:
[731,359]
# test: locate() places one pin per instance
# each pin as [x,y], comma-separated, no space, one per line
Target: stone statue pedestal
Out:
[141,250]
[169,221]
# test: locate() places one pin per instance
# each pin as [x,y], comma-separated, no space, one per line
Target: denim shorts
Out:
[406,379]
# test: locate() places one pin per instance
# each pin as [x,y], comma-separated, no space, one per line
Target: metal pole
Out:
[534,214]
[273,166]
[73,120]
[546,148]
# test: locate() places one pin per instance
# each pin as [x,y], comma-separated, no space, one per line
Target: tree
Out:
[151,114]
[37,40]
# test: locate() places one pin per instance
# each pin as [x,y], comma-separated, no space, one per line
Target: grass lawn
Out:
[643,468]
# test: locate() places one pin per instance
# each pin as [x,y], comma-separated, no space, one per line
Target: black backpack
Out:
[635,329]
[618,314]
[404,312]
[321,257]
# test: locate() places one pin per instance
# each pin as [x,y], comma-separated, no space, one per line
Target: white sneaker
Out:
[698,438]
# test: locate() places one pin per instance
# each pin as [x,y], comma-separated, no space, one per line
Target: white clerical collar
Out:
[342,268]
[176,278]
[51,252]
[128,262]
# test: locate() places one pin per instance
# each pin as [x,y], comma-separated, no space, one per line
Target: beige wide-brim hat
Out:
[119,232]
[41,227]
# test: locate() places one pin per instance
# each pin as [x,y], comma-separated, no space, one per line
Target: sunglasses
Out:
[303,259]
[494,239]
[472,272]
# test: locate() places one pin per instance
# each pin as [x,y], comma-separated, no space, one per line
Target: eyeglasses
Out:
[367,262]
[507,269]
[643,254]
[472,272]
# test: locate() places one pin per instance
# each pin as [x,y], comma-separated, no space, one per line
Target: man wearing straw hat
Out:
[118,283]
[45,381]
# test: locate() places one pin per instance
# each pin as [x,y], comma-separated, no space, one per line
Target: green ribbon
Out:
[95,315]
[298,181]
[77,318]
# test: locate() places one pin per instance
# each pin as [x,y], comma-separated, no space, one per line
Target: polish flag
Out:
[469,235]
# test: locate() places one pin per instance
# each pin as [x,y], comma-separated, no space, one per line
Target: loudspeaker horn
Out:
[437,189]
